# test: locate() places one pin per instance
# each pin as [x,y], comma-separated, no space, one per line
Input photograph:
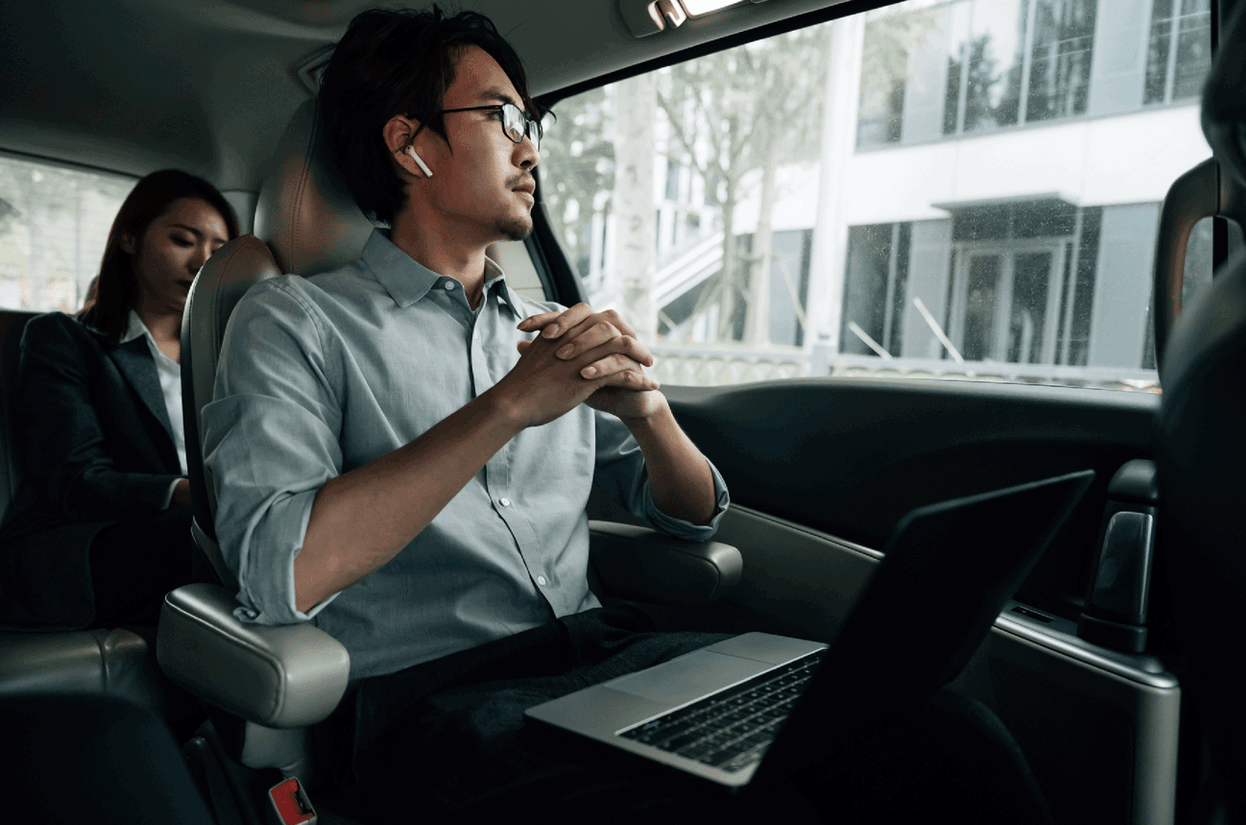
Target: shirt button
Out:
[540,580]
[505,502]
[449,285]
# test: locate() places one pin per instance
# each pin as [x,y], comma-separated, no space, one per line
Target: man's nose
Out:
[529,155]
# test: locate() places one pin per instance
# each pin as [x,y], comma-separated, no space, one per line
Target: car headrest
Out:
[305,213]
[1224,105]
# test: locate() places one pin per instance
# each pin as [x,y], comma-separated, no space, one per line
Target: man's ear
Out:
[127,244]
[399,133]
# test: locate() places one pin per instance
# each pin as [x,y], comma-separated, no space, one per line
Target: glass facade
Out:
[967,188]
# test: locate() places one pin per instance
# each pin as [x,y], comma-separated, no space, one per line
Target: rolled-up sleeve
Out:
[621,474]
[270,442]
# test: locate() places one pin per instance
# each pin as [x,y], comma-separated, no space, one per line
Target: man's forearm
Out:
[362,519]
[679,475]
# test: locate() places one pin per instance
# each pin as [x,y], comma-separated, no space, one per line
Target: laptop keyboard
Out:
[732,728]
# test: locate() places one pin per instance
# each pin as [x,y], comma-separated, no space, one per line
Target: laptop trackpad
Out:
[688,677]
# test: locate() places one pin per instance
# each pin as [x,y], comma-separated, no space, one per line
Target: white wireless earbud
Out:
[428,173]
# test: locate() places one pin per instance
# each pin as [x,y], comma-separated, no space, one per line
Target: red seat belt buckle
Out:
[290,804]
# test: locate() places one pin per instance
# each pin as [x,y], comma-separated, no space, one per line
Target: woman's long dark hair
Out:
[114,292]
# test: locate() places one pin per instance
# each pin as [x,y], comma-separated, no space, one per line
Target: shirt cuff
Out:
[680,528]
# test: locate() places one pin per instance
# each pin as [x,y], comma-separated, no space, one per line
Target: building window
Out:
[1060,52]
[1021,281]
[884,67]
[875,289]
[1017,61]
[1179,51]
[672,180]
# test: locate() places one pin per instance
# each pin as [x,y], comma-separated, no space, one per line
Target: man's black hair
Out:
[398,62]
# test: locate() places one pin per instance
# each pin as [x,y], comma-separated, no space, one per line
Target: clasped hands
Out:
[582,356]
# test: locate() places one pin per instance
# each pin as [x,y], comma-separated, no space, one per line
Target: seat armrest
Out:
[280,677]
[640,564]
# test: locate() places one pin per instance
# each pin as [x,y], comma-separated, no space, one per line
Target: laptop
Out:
[757,707]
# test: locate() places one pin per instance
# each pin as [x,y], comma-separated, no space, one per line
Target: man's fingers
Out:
[576,320]
[618,345]
[537,321]
[569,319]
[608,318]
[590,338]
[554,324]
[617,364]
[629,379]
[617,321]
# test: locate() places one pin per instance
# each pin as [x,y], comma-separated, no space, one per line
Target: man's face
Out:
[482,180]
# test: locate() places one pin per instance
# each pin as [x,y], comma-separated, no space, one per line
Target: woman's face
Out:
[171,252]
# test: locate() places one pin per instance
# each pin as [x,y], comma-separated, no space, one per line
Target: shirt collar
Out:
[495,281]
[134,328]
[407,280]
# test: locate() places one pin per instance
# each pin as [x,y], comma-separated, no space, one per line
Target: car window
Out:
[54,221]
[962,189]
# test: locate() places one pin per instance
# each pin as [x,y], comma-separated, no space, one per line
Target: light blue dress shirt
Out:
[319,376]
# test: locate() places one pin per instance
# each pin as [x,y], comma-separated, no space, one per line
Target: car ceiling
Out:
[208,85]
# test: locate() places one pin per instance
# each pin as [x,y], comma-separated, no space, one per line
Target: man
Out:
[430,469]
[395,461]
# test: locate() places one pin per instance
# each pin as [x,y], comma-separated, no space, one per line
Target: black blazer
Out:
[92,433]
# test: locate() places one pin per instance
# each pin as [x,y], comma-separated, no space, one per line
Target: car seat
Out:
[264,685]
[1201,457]
[93,758]
[115,662]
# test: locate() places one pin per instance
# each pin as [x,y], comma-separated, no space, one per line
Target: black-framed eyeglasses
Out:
[515,122]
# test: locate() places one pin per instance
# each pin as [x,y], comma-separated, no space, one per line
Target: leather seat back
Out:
[305,222]
[1201,460]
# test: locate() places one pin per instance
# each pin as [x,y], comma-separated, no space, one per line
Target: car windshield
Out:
[963,189]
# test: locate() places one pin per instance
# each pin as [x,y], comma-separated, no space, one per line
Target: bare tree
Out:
[736,112]
[578,146]
[633,263]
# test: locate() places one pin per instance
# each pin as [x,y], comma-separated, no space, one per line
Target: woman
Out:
[101,527]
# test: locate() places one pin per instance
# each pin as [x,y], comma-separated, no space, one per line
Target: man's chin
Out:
[516,229]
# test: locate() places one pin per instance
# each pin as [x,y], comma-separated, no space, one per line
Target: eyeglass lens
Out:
[517,124]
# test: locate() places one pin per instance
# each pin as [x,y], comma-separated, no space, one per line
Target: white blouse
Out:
[170,374]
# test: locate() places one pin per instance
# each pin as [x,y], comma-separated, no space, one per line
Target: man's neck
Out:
[442,251]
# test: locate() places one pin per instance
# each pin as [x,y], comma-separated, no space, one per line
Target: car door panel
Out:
[821,470]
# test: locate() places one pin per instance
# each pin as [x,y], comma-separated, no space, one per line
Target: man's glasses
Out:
[515,122]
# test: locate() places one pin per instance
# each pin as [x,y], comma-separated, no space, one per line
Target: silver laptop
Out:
[756,707]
